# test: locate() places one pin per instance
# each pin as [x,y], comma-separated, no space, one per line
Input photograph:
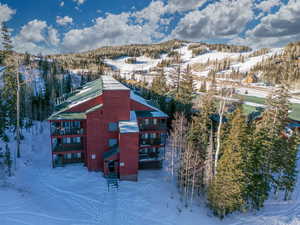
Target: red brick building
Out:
[109,128]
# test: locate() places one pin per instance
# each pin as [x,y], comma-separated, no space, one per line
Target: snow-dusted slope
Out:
[71,195]
[252,61]
[145,63]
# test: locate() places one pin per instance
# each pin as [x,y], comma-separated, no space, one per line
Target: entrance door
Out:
[111,167]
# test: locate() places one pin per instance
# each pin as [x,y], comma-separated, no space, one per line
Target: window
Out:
[153,135]
[66,140]
[66,124]
[76,124]
[155,121]
[113,126]
[78,155]
[76,140]
[146,135]
[147,121]
[112,142]
[144,151]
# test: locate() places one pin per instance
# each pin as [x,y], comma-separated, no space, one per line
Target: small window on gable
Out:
[112,142]
[113,126]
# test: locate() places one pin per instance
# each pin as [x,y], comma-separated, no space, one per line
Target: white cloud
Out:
[35,37]
[6,13]
[62,4]
[79,2]
[219,20]
[53,36]
[111,30]
[267,5]
[183,5]
[276,29]
[33,31]
[118,29]
[63,21]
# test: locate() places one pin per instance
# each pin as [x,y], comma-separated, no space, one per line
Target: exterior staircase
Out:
[112,181]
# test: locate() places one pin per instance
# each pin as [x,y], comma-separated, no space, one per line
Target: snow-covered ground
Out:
[71,195]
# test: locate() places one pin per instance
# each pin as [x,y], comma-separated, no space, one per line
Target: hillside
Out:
[39,194]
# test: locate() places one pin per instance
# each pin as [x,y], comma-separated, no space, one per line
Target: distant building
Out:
[251,78]
[109,128]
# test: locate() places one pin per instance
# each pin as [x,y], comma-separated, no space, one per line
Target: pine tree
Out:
[201,122]
[9,92]
[159,84]
[185,92]
[279,150]
[226,192]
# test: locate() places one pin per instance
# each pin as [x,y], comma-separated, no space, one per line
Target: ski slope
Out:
[71,195]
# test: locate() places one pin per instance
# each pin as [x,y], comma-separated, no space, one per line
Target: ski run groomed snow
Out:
[40,195]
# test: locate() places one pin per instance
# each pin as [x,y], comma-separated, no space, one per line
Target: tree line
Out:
[219,153]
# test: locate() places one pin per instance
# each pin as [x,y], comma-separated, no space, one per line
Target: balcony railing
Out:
[67,131]
[153,126]
[150,157]
[156,141]
[67,147]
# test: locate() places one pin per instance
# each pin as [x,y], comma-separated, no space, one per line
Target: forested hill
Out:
[152,51]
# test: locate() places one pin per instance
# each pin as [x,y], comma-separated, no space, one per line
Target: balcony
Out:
[67,131]
[68,147]
[153,156]
[156,141]
[145,127]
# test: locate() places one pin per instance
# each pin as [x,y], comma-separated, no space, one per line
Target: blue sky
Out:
[54,26]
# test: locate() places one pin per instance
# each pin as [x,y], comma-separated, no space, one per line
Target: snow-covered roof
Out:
[130,126]
[143,101]
[109,83]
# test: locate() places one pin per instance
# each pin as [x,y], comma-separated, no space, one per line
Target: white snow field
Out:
[40,195]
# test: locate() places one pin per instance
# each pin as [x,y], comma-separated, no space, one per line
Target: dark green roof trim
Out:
[113,151]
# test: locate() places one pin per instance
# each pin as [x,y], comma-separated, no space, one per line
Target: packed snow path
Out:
[71,195]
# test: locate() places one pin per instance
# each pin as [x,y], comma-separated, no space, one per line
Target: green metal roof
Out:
[83,94]
[143,114]
[86,92]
